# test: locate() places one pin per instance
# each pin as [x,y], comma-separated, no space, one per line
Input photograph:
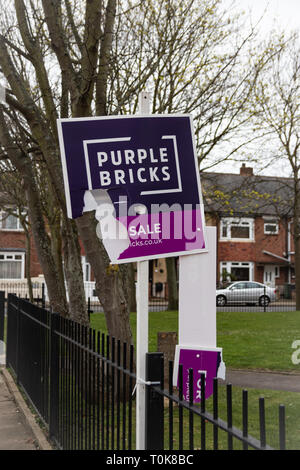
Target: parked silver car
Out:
[244,292]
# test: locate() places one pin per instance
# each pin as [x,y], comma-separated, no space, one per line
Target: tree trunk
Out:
[172,284]
[28,265]
[297,270]
[42,241]
[131,287]
[74,274]
[296,236]
[109,280]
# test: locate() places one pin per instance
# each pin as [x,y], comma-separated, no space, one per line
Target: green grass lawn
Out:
[249,340]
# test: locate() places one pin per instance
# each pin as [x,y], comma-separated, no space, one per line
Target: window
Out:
[237,229]
[271,227]
[236,271]
[9,221]
[241,285]
[12,265]
[253,285]
[86,268]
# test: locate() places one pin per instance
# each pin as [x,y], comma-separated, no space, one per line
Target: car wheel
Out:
[264,301]
[221,300]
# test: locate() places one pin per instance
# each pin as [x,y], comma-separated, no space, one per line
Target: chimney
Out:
[246,171]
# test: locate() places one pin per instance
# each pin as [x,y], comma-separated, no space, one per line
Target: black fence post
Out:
[89,310]
[43,296]
[2,303]
[282,437]
[54,377]
[154,422]
[18,336]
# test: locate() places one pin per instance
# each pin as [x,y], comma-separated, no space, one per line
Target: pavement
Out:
[14,432]
[18,427]
[288,381]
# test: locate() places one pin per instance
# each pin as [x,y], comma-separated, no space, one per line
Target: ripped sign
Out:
[202,361]
[139,174]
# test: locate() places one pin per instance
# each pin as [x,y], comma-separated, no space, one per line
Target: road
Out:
[272,307]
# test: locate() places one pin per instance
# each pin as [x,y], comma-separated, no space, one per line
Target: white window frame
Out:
[3,215]
[86,269]
[7,257]
[271,222]
[239,222]
[237,264]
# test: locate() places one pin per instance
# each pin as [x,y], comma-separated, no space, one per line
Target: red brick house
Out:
[253,219]
[14,264]
[13,250]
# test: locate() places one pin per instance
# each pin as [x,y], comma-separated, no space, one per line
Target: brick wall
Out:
[276,243]
[16,240]
[252,251]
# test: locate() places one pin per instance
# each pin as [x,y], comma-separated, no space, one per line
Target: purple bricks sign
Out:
[140,175]
[202,361]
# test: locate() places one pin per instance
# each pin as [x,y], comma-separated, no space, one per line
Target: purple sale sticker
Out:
[202,361]
[140,175]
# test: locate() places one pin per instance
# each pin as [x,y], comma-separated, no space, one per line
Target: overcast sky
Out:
[286,13]
[279,14]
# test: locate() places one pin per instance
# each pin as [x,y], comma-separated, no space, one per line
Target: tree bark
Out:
[41,238]
[296,237]
[131,287]
[109,280]
[28,265]
[73,273]
[172,284]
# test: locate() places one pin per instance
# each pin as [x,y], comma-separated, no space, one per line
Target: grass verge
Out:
[249,340]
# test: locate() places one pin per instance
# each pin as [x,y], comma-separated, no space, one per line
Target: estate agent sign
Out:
[140,174]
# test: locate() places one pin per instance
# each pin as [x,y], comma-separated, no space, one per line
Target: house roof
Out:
[246,194]
[5,199]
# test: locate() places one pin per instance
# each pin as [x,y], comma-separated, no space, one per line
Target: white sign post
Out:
[197,320]
[197,296]
[142,330]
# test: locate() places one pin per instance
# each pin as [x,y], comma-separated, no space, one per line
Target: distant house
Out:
[13,249]
[253,215]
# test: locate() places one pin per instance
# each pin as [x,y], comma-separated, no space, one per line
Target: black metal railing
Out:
[81,383]
[158,298]
[189,422]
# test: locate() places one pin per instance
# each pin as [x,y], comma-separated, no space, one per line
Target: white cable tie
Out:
[144,382]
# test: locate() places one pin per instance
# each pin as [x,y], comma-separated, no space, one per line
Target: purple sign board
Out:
[202,361]
[144,171]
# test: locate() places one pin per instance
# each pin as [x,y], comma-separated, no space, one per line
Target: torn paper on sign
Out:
[113,233]
[207,361]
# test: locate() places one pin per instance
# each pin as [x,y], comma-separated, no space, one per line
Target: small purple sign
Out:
[202,361]
[145,169]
